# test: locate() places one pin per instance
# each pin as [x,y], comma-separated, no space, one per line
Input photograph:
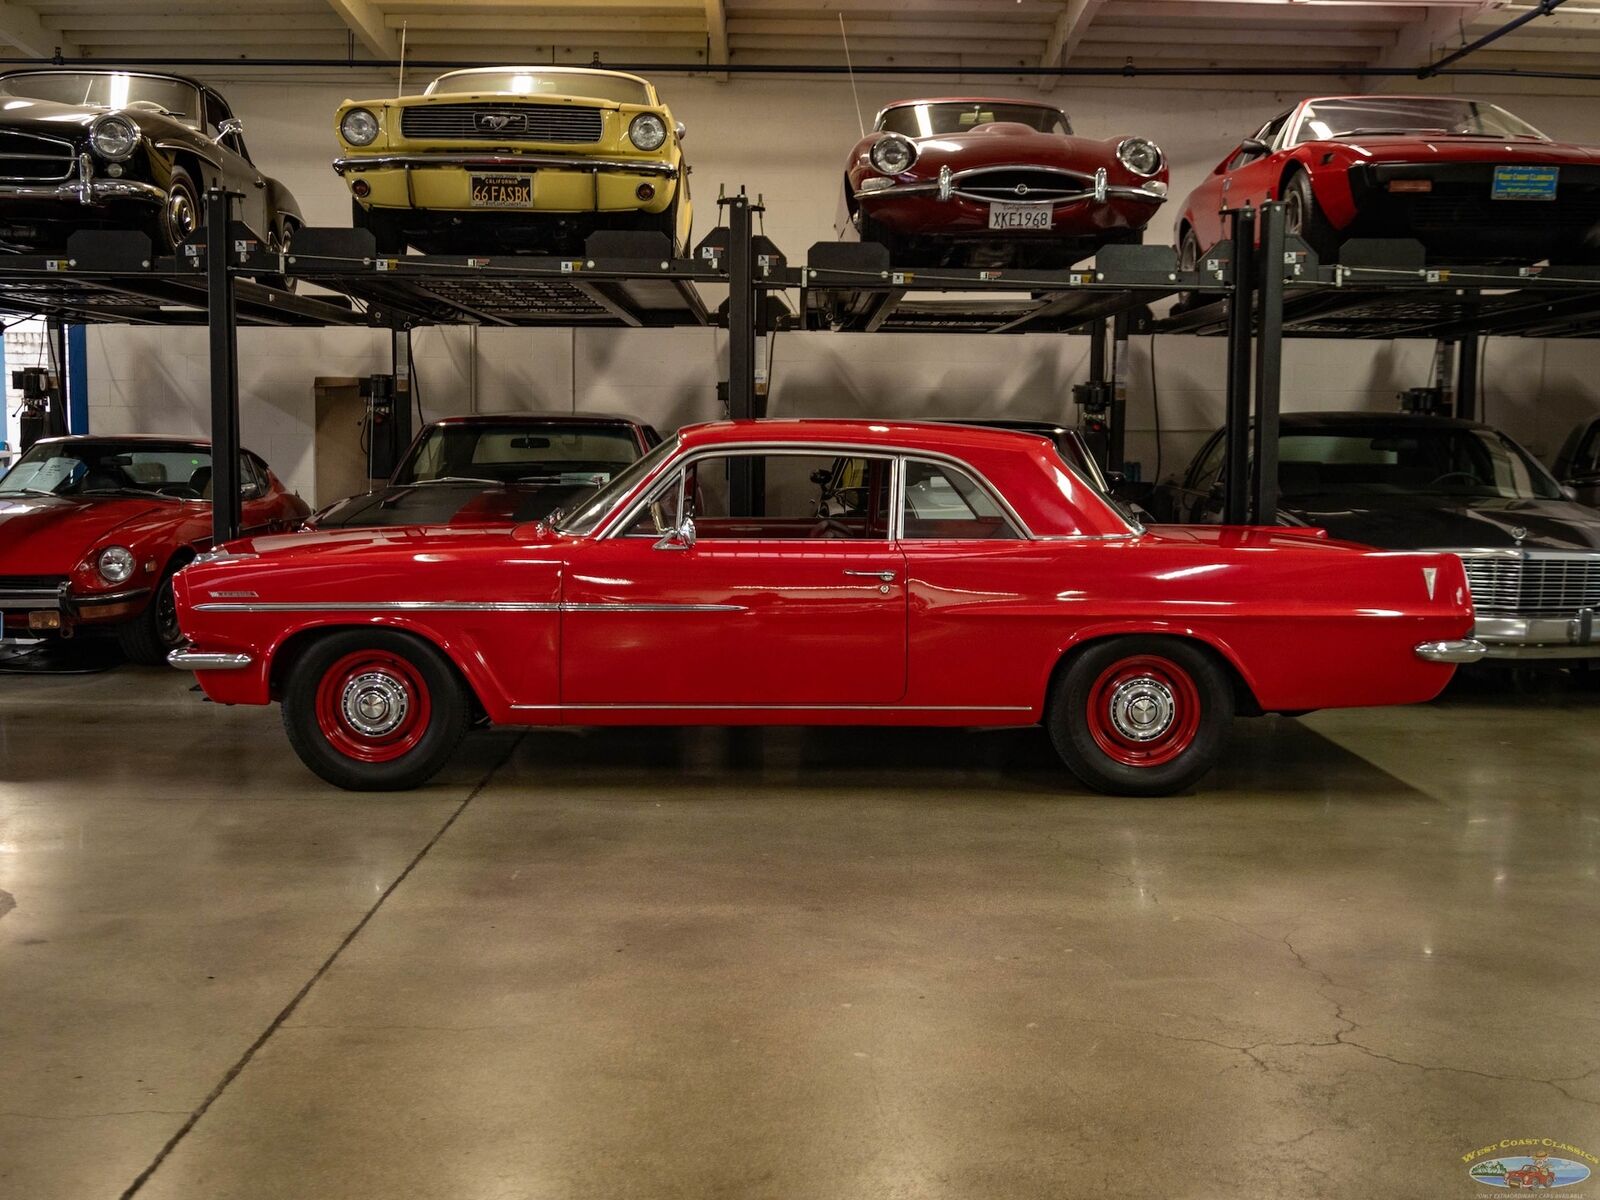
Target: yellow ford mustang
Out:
[529,159]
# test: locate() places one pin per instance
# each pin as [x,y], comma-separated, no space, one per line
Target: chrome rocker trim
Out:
[207,660]
[249,606]
[1462,650]
[501,162]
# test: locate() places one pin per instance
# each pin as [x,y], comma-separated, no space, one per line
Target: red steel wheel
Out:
[1144,710]
[373,706]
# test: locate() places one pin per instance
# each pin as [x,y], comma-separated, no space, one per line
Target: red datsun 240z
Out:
[814,572]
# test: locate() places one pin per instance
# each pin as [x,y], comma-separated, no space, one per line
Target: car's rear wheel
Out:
[1140,716]
[281,241]
[374,710]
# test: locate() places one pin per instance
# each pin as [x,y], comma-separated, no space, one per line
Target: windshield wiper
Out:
[446,479]
[26,491]
[142,493]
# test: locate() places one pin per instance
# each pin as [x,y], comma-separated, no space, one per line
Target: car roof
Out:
[127,437]
[929,435]
[535,418]
[971,100]
[1394,96]
[541,70]
[96,70]
[1334,419]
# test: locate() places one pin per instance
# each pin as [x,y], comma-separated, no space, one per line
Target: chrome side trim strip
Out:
[246,606]
[776,707]
[207,660]
[570,607]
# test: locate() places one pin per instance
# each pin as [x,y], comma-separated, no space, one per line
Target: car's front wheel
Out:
[154,633]
[1140,716]
[374,710]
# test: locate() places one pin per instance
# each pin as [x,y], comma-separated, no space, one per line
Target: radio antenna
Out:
[861,123]
[402,89]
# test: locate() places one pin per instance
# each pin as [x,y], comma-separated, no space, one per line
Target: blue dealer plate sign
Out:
[1524,183]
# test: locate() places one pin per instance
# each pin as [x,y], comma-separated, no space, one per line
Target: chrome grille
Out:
[1021,183]
[30,158]
[504,123]
[1533,585]
[29,591]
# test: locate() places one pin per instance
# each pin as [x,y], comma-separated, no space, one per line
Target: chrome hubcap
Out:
[1142,709]
[374,703]
[180,213]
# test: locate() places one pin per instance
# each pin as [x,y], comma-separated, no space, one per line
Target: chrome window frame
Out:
[1006,512]
[198,124]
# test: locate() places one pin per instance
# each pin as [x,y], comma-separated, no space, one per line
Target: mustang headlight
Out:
[359,127]
[115,564]
[114,138]
[1139,155]
[647,131]
[892,154]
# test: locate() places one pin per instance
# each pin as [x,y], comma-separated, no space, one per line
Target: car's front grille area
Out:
[1022,184]
[1444,212]
[29,158]
[504,123]
[29,591]
[1533,585]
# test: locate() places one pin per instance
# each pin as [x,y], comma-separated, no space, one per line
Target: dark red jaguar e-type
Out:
[820,573]
[978,182]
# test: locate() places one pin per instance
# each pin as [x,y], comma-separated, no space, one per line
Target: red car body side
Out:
[550,628]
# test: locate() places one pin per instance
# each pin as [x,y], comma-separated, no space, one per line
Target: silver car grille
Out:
[1531,584]
[1021,183]
[32,158]
[504,123]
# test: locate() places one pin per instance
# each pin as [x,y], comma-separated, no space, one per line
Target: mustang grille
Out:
[1022,184]
[1533,585]
[28,158]
[503,123]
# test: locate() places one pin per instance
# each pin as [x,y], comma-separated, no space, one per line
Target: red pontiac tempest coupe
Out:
[1467,179]
[92,529]
[874,574]
[997,183]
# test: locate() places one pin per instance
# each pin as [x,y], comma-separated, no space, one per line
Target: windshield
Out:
[87,468]
[583,519]
[1381,459]
[536,452]
[946,117]
[1326,120]
[107,89]
[530,81]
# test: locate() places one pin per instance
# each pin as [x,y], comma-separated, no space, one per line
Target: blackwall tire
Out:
[181,215]
[1140,716]
[374,710]
[1303,217]
[154,633]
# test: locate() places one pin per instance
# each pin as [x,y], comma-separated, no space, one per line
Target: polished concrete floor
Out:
[789,964]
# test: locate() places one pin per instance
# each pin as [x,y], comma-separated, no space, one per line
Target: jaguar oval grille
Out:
[1533,585]
[504,123]
[1022,183]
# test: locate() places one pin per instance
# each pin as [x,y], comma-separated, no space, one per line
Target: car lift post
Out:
[1117,425]
[224,331]
[1466,391]
[742,400]
[1241,319]
[1269,367]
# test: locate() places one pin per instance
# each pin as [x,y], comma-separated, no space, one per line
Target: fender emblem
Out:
[1430,576]
[234,595]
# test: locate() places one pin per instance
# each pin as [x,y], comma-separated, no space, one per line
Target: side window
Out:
[945,502]
[1207,469]
[660,514]
[1268,133]
[250,482]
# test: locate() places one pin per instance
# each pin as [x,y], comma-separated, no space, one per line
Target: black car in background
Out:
[1404,482]
[500,469]
[107,149]
[1578,464]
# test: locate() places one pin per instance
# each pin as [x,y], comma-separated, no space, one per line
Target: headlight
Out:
[647,131]
[114,138]
[892,154]
[1139,155]
[115,564]
[359,127]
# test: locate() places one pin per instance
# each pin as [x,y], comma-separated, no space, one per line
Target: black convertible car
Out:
[1405,482]
[103,149]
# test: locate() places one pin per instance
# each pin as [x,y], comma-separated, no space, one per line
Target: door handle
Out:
[883,576]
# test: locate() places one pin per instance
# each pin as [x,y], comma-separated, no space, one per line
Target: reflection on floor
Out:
[790,963]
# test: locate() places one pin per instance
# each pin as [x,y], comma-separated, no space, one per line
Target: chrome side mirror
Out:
[1569,492]
[681,538]
[229,125]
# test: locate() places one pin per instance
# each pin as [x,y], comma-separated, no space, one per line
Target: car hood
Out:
[450,504]
[49,535]
[1435,522]
[1411,148]
[1006,144]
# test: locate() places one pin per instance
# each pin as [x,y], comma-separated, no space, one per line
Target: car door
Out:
[794,599]
[1251,176]
[238,172]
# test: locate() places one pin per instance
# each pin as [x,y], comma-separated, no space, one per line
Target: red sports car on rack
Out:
[1467,179]
[496,470]
[92,529]
[820,573]
[997,183]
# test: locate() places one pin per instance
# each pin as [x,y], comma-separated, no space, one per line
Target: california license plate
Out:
[502,191]
[1524,183]
[1020,216]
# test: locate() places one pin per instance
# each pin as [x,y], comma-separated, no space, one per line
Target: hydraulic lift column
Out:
[220,316]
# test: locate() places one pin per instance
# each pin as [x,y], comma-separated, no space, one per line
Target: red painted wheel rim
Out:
[373,706]
[1144,711]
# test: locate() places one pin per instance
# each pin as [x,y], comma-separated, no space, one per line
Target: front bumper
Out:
[1460,650]
[442,182]
[86,189]
[39,610]
[208,660]
[502,162]
[957,204]
[1531,638]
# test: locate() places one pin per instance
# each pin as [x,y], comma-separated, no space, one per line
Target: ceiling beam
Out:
[20,27]
[1443,30]
[1070,27]
[366,22]
[716,34]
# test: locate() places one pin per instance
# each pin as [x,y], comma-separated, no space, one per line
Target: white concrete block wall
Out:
[786,139]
